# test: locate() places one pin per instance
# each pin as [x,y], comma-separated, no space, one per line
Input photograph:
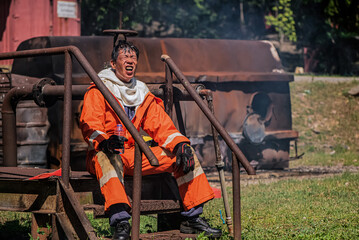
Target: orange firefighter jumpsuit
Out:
[98,122]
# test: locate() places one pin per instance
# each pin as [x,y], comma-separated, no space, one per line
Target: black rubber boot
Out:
[122,231]
[198,225]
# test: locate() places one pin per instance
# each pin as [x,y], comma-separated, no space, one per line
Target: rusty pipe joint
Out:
[40,99]
[13,97]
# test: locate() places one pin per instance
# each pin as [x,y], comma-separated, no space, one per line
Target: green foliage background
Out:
[329,30]
[283,21]
[175,18]
[326,30]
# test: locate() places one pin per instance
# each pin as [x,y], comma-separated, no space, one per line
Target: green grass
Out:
[309,209]
[102,227]
[326,118]
[328,208]
[327,121]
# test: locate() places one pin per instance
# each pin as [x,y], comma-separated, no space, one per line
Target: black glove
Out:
[114,144]
[184,157]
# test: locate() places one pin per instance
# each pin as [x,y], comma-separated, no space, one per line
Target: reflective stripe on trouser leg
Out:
[193,186]
[109,173]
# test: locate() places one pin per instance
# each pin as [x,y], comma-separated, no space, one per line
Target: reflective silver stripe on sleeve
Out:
[110,174]
[189,176]
[111,167]
[170,138]
[93,136]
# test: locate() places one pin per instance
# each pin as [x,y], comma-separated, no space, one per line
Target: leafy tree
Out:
[283,21]
[177,18]
[98,15]
[327,29]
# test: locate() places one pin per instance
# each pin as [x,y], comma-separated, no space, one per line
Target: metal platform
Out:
[43,197]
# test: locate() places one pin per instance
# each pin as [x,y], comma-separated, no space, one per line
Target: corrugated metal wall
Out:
[24,19]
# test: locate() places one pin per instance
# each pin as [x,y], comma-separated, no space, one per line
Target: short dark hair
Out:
[122,44]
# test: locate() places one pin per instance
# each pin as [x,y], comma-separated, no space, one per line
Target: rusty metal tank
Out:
[251,93]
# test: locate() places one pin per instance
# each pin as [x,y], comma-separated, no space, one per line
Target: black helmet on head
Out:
[122,43]
[126,46]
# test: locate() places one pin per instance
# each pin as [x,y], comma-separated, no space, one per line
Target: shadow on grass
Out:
[14,230]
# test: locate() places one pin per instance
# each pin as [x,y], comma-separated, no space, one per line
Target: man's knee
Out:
[111,166]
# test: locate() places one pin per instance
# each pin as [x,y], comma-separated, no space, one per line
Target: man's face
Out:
[125,65]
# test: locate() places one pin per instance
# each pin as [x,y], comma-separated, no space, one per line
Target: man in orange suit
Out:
[174,153]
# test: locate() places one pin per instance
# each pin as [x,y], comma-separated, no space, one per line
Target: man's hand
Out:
[184,157]
[113,145]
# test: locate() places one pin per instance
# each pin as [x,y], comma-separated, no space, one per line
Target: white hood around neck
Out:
[130,94]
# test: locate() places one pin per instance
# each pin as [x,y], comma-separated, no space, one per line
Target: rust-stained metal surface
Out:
[68,208]
[69,216]
[76,53]
[220,166]
[82,181]
[201,60]
[44,197]
[236,187]
[32,124]
[209,114]
[247,74]
[174,234]
[5,86]
[136,194]
[39,92]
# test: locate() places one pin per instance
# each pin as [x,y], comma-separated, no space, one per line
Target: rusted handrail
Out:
[93,75]
[236,187]
[219,164]
[231,144]
[168,91]
[136,194]
[66,129]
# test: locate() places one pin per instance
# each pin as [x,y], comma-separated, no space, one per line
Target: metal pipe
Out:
[220,165]
[9,115]
[136,193]
[100,85]
[178,91]
[236,185]
[66,128]
[168,91]
[179,116]
[78,91]
[8,112]
[231,144]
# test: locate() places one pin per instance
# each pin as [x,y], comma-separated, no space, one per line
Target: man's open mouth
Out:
[129,68]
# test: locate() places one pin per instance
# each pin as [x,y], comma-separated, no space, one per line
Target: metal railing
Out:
[26,92]
[70,51]
[68,90]
[171,67]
